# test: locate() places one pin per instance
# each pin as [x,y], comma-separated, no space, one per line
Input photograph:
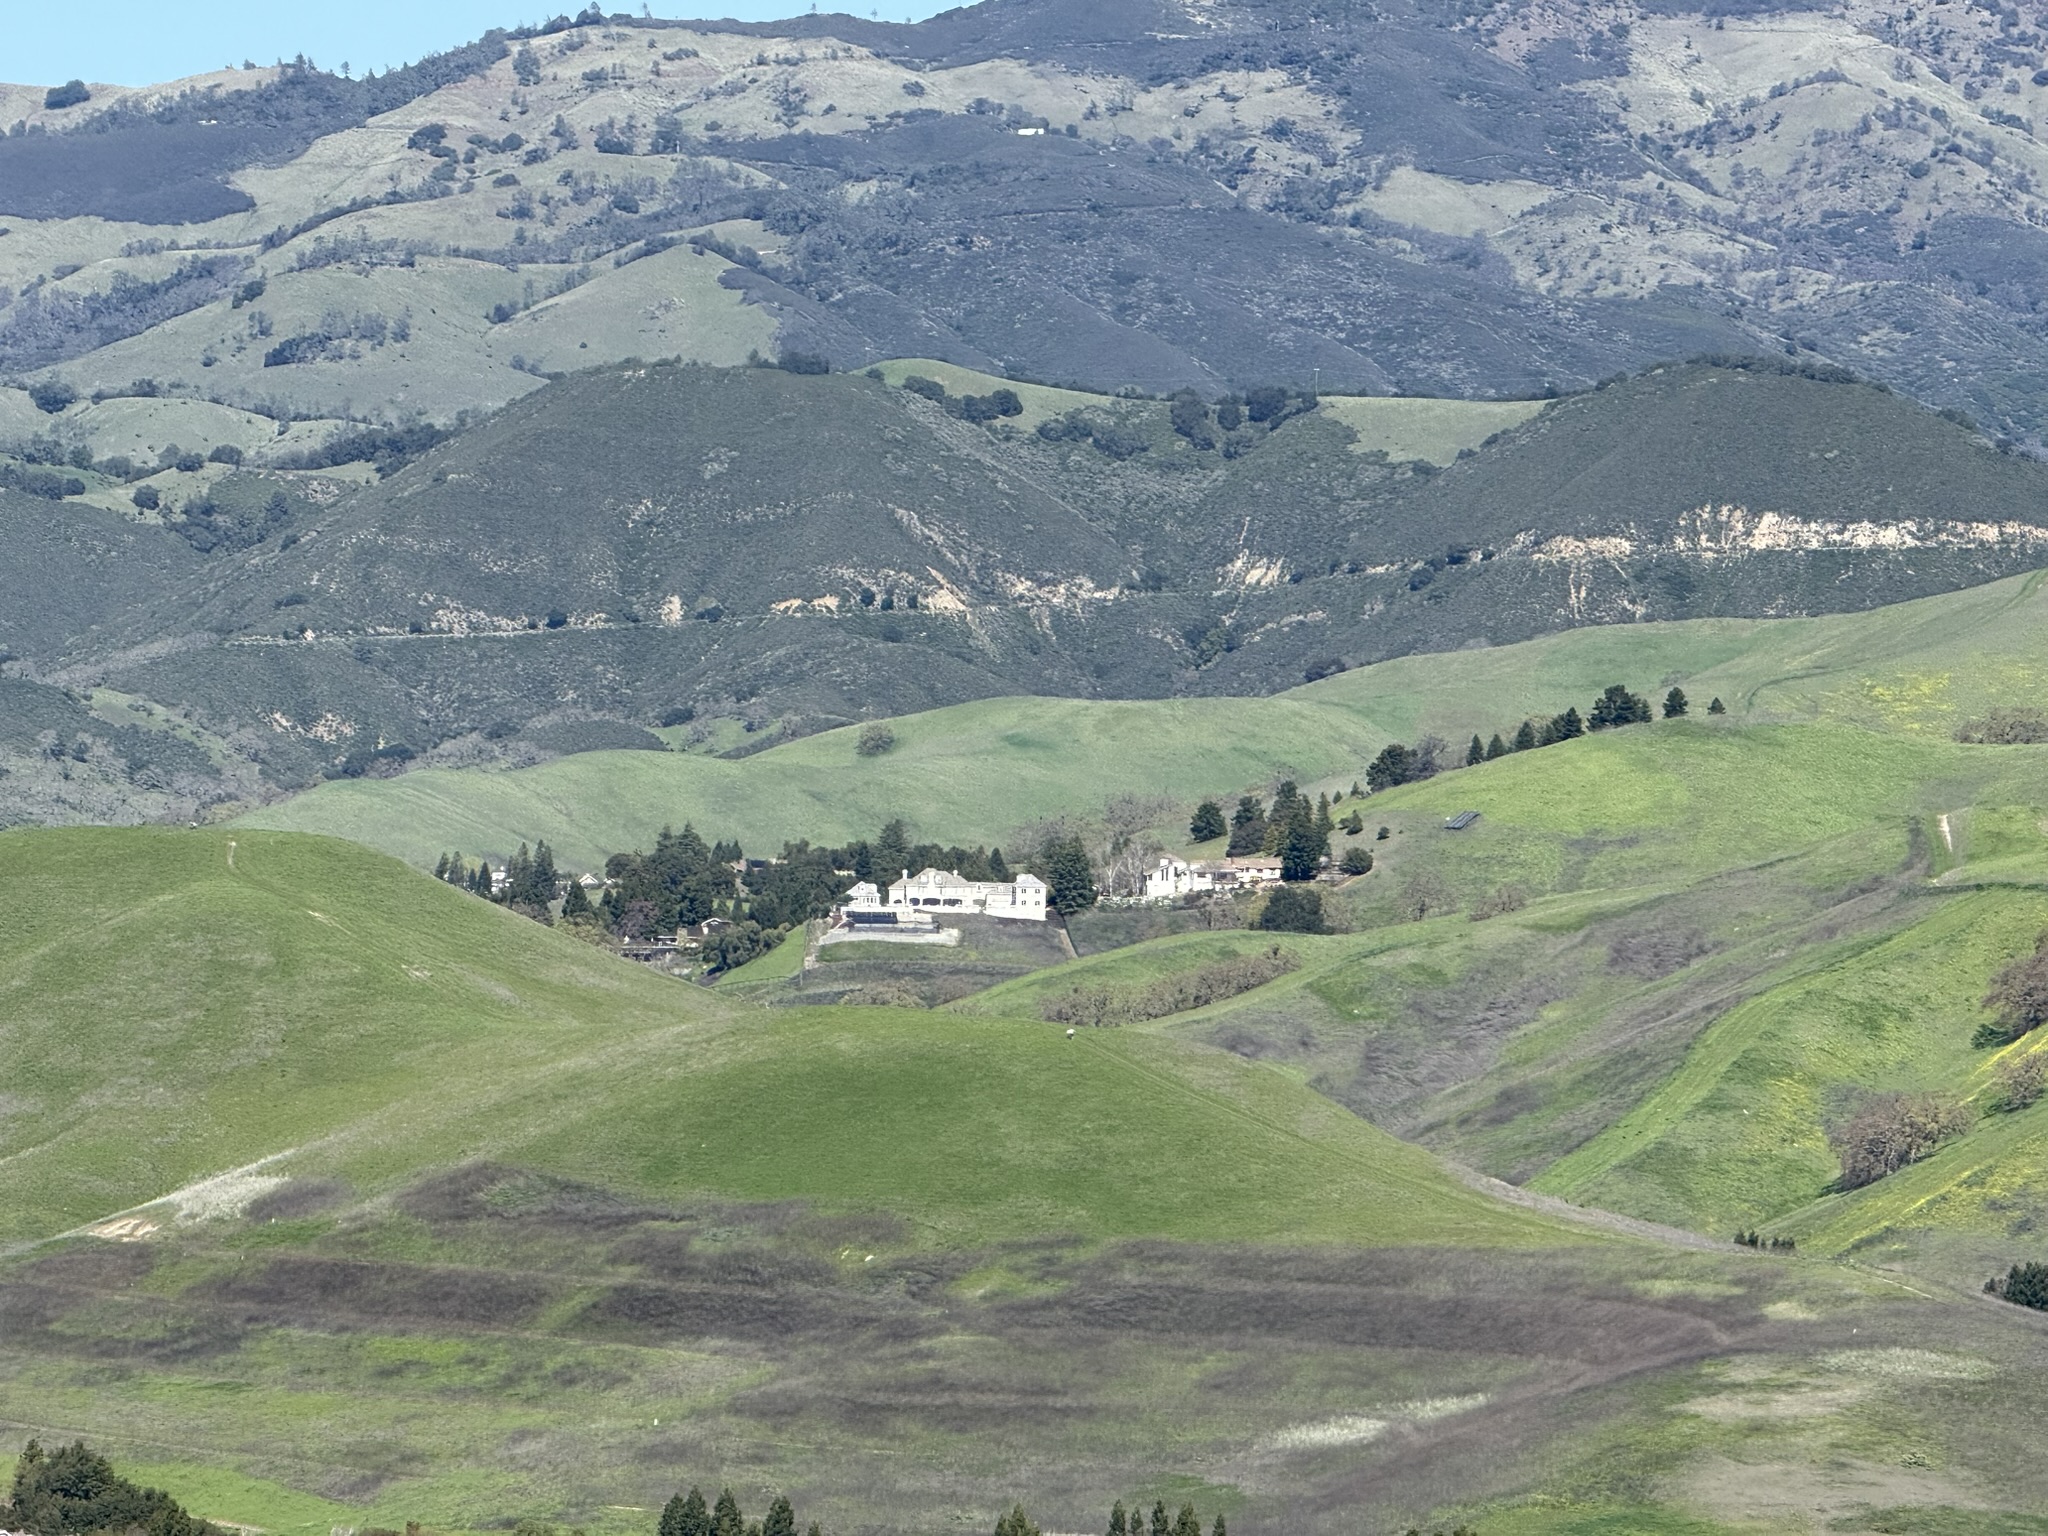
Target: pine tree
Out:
[781,1520]
[576,903]
[441,868]
[1220,1528]
[1525,738]
[1476,753]
[1323,823]
[1116,1520]
[892,852]
[1069,879]
[725,1518]
[1674,704]
[998,871]
[1207,823]
[1247,827]
[1303,845]
[1160,1527]
[686,1516]
[543,879]
[1016,1523]
[1717,708]
[1186,1523]
[456,873]
[1496,748]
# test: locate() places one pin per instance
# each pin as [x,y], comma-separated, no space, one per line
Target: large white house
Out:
[942,891]
[1175,878]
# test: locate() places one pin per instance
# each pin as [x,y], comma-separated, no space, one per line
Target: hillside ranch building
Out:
[1176,878]
[939,892]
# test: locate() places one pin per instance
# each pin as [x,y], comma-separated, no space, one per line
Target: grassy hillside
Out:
[532,1232]
[304,1001]
[1909,673]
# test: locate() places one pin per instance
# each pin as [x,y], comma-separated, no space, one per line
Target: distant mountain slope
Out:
[640,547]
[1470,200]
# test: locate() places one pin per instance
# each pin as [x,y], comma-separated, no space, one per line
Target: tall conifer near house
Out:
[1476,753]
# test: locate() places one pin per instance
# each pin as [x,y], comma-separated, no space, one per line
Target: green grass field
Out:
[307,1002]
[974,772]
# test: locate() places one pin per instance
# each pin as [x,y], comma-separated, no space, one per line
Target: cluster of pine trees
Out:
[688,1515]
[1292,827]
[1616,707]
[530,878]
[1186,1523]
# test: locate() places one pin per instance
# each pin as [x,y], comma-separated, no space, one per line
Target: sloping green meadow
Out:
[975,771]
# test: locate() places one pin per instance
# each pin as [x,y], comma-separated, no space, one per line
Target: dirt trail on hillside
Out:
[1585,1215]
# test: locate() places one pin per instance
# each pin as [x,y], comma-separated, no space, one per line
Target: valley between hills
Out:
[494,551]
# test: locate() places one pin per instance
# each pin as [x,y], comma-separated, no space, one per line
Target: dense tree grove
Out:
[2024,1285]
[1892,1130]
[73,1489]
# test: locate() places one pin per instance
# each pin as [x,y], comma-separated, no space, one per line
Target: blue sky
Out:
[139,42]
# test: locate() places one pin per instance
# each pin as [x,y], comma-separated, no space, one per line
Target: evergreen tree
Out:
[725,1518]
[998,870]
[1247,827]
[892,853]
[1207,823]
[1496,748]
[1186,1523]
[1525,738]
[1324,824]
[1016,1523]
[1674,704]
[781,1519]
[1476,753]
[1616,706]
[1395,765]
[1288,803]
[1565,727]
[1116,1514]
[1717,708]
[1160,1527]
[481,882]
[544,877]
[1292,909]
[1220,1528]
[456,875]
[1070,881]
[576,903]
[1303,845]
[441,867]
[683,1516]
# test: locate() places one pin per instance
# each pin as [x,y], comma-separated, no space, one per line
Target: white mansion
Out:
[1175,878]
[942,891]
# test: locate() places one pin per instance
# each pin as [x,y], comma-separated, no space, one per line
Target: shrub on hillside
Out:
[1109,1006]
[51,396]
[1498,902]
[71,93]
[2020,1081]
[2006,728]
[1892,1130]
[2018,997]
[1294,909]
[1356,861]
[875,739]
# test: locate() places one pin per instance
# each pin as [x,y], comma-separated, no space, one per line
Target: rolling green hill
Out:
[768,554]
[403,1207]
[307,1001]
[1904,676]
